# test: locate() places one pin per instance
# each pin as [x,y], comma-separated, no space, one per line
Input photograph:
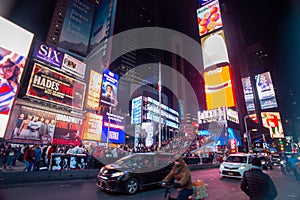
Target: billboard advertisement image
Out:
[113,126]
[93,127]
[272,121]
[54,87]
[34,126]
[218,88]
[73,66]
[15,44]
[68,130]
[77,26]
[248,94]
[136,110]
[265,90]
[109,88]
[209,18]
[94,90]
[214,49]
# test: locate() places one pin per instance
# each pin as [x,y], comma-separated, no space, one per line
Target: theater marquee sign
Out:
[51,86]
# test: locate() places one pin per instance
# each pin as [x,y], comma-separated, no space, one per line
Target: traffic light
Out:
[281,145]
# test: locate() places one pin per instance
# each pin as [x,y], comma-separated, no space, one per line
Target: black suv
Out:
[134,172]
[266,162]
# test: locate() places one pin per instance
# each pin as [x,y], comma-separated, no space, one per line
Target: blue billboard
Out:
[136,110]
[114,127]
[109,88]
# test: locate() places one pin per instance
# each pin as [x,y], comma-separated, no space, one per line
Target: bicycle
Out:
[195,196]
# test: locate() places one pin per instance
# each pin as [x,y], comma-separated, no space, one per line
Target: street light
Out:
[247,134]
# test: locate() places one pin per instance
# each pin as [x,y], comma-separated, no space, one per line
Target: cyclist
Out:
[181,176]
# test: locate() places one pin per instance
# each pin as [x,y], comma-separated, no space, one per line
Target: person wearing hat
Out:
[257,184]
[181,175]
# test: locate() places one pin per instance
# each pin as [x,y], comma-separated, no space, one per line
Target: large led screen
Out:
[54,87]
[214,49]
[218,88]
[136,110]
[209,18]
[76,28]
[114,127]
[265,90]
[94,91]
[272,121]
[15,44]
[93,127]
[248,94]
[33,126]
[109,88]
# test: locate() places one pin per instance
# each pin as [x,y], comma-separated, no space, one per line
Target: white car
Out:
[235,165]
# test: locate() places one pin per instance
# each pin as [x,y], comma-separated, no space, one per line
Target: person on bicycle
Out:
[181,176]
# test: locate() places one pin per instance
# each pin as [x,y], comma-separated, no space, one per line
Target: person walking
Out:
[29,159]
[257,184]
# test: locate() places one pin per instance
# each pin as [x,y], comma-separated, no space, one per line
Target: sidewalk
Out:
[17,168]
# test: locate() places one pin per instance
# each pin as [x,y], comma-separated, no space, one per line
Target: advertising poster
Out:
[68,130]
[54,87]
[109,88]
[209,18]
[272,121]
[34,126]
[214,49]
[94,90]
[73,66]
[114,127]
[77,27]
[232,146]
[265,90]
[93,127]
[48,54]
[15,44]
[60,161]
[136,110]
[146,133]
[204,2]
[248,94]
[218,88]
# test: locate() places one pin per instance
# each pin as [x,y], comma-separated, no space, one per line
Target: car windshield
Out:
[236,159]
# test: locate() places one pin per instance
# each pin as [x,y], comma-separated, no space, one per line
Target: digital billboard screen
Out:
[209,18]
[218,88]
[214,49]
[54,87]
[15,44]
[94,90]
[265,90]
[273,121]
[93,127]
[248,94]
[113,126]
[76,28]
[109,88]
[136,110]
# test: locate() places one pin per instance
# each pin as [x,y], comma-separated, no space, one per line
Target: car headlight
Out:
[263,162]
[243,167]
[221,166]
[281,162]
[101,171]
[117,174]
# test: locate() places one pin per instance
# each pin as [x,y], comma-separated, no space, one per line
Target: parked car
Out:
[235,165]
[135,172]
[266,162]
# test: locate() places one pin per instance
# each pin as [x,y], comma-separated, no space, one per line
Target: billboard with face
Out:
[15,44]
[265,90]
[218,88]
[109,88]
[272,121]
[54,87]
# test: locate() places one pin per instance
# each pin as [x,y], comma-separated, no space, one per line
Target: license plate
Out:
[230,173]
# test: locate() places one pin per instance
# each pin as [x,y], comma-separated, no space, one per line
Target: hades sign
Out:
[51,86]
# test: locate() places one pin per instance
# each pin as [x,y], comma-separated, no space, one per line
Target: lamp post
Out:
[247,134]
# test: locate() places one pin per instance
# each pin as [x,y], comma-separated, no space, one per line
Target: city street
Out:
[226,188]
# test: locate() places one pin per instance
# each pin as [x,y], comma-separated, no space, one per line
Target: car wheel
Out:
[132,186]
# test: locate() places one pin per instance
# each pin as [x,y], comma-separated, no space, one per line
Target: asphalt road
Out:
[225,189]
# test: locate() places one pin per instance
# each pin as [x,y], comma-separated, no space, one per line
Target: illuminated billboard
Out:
[15,44]
[218,88]
[73,66]
[209,18]
[248,94]
[272,121]
[214,49]
[109,88]
[136,110]
[94,90]
[76,28]
[54,87]
[93,127]
[265,90]
[114,127]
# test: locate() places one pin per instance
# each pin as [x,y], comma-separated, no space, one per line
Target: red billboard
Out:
[272,121]
[54,87]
